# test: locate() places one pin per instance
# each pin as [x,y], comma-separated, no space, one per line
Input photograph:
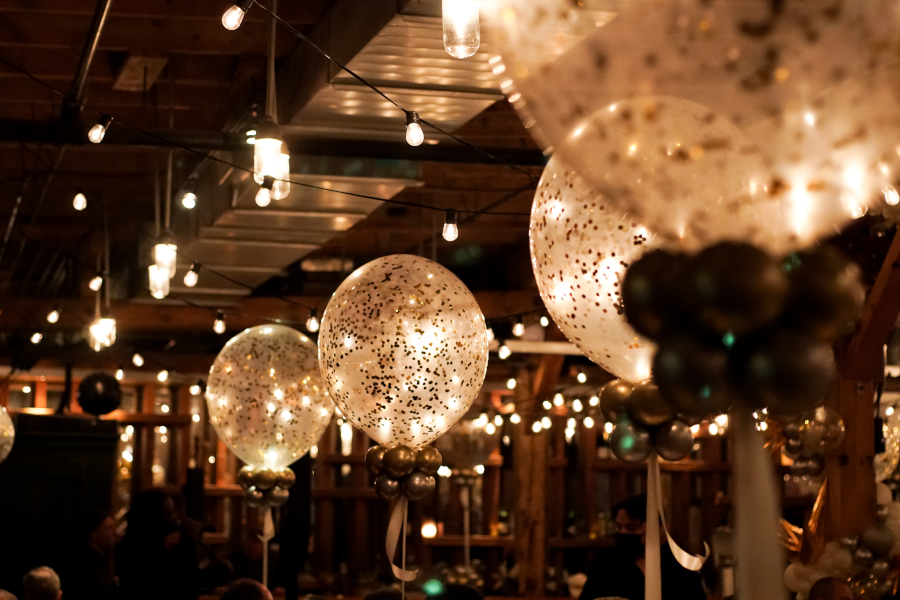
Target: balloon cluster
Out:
[266,486]
[810,437]
[400,470]
[732,321]
[99,394]
[644,421]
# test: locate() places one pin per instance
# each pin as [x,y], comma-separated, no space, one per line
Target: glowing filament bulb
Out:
[162,375]
[267,161]
[219,325]
[195,390]
[159,282]
[189,200]
[581,378]
[138,360]
[312,323]
[546,423]
[96,282]
[98,131]
[414,134]
[536,427]
[545,321]
[79,202]
[490,334]
[120,373]
[891,197]
[519,328]
[515,419]
[511,383]
[462,34]
[451,230]
[53,316]
[36,337]
[588,422]
[165,255]
[263,197]
[193,276]
[558,400]
[234,16]
[504,352]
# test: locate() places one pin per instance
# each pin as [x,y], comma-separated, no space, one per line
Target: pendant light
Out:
[462,34]
[102,330]
[270,155]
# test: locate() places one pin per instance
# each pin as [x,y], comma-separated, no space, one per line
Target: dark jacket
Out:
[614,575]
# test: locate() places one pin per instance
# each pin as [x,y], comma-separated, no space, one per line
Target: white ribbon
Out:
[758,556]
[267,534]
[464,500]
[396,532]
[655,515]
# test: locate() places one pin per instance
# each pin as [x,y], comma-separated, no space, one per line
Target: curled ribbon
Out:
[655,516]
[397,531]
[267,534]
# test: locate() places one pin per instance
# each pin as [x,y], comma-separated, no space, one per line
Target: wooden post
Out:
[40,394]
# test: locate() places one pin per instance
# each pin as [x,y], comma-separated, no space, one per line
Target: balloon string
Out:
[684,558]
[396,529]
[267,534]
[464,498]
[652,569]
[403,551]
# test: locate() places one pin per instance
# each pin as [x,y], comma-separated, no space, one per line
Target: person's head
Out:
[630,517]
[4,595]
[100,531]
[152,513]
[42,583]
[246,589]
[830,588]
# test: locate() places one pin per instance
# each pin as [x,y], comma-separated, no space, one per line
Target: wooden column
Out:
[40,394]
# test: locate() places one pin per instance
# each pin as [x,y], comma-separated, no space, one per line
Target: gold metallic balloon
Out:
[387,487]
[277,496]
[399,461]
[375,459]
[647,406]
[264,479]
[614,399]
[245,477]
[630,441]
[428,460]
[253,497]
[285,479]
[674,440]
[418,486]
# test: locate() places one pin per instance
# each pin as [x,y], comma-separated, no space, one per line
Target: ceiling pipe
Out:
[90,48]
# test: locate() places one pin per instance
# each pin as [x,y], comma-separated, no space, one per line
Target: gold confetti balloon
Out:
[7,434]
[767,122]
[580,249]
[265,396]
[403,349]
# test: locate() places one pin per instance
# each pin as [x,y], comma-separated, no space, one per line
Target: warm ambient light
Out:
[195,389]
[165,254]
[545,321]
[120,373]
[451,229]
[102,333]
[414,134]
[515,419]
[234,16]
[98,131]
[26,389]
[159,282]
[162,375]
[79,202]
[219,325]
[312,323]
[511,383]
[588,422]
[96,282]
[462,35]
[53,316]
[36,337]
[189,200]
[519,328]
[581,378]
[504,352]
[264,195]
[193,276]
[138,360]
[429,529]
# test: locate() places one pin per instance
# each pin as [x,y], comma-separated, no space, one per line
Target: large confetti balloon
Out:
[266,398]
[580,249]
[7,434]
[403,349]
[753,120]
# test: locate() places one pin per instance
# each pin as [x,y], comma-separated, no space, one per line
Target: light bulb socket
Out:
[313,313]
[104,121]
[244,5]
[167,238]
[412,117]
[268,182]
[450,217]
[195,268]
[268,130]
[220,315]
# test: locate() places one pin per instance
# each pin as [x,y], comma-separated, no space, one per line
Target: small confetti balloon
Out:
[403,349]
[7,434]
[767,122]
[265,396]
[580,249]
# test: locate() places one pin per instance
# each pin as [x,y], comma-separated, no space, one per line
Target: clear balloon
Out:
[266,398]
[771,123]
[580,249]
[7,434]
[821,431]
[467,444]
[886,462]
[403,349]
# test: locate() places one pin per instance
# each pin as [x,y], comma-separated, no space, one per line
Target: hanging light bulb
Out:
[545,321]
[138,360]
[282,186]
[536,427]
[102,333]
[490,334]
[196,388]
[234,16]
[120,373]
[515,419]
[96,282]
[511,383]
[451,230]
[165,253]
[189,200]
[891,197]
[267,161]
[504,352]
[546,423]
[577,405]
[79,202]
[547,405]
[498,420]
[312,323]
[159,282]
[588,422]
[519,328]
[193,276]
[53,315]
[581,378]
[264,195]
[36,337]
[558,399]
[162,375]
[462,34]
[414,134]
[98,131]
[219,325]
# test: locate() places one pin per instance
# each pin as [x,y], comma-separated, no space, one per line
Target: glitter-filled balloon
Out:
[7,434]
[468,444]
[580,249]
[403,349]
[265,396]
[752,120]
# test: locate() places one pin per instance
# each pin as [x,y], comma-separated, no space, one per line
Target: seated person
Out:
[42,583]
[830,588]
[621,574]
[246,589]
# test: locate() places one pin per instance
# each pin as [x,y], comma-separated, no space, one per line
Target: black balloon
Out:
[630,441]
[647,406]
[735,288]
[428,460]
[650,292]
[387,487]
[277,496]
[793,446]
[265,479]
[99,394]
[418,486]
[787,371]
[826,295]
[693,374]
[286,478]
[399,461]
[674,440]
[254,497]
[245,477]
[375,459]
[614,399]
